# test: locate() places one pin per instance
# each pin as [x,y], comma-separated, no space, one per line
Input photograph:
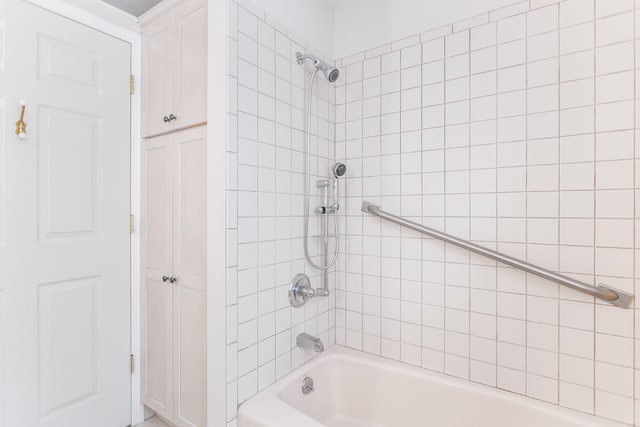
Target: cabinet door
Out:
[190,64]
[157,75]
[189,267]
[157,305]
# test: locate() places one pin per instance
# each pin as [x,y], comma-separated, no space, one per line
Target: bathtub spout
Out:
[308,341]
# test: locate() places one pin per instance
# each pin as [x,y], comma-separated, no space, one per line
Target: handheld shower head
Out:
[339,169]
[330,73]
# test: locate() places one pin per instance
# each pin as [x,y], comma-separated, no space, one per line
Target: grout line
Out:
[635,209]
[469,212]
[444,219]
[422,238]
[559,215]
[361,65]
[526,209]
[595,335]
[495,269]
[236,376]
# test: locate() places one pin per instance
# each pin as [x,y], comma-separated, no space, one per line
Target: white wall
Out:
[312,19]
[363,24]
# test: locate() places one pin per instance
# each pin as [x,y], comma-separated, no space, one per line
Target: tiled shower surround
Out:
[515,129]
[265,165]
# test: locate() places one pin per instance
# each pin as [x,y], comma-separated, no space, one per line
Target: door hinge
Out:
[131,84]
[130,224]
[131,364]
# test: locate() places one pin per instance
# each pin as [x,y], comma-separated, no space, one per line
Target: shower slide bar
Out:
[602,292]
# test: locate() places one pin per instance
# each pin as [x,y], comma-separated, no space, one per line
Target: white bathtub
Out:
[353,389]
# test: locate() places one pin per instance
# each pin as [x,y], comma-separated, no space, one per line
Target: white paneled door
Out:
[64,223]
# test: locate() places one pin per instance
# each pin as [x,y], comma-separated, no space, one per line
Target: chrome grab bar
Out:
[605,293]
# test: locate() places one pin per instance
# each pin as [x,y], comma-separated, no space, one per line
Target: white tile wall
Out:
[265,162]
[516,130]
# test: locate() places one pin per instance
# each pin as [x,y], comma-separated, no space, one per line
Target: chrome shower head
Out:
[339,169]
[330,73]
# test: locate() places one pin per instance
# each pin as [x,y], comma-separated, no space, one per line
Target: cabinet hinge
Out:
[131,224]
[131,364]
[131,85]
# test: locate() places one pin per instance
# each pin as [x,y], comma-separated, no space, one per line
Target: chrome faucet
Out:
[307,341]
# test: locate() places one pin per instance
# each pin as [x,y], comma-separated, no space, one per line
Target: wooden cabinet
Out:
[174,66]
[174,88]
[173,276]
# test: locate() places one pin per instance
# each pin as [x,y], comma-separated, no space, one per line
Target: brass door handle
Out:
[21,126]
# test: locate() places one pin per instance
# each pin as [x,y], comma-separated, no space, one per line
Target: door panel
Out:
[3,169]
[65,192]
[68,313]
[2,347]
[157,306]
[190,79]
[156,84]
[156,205]
[158,345]
[4,125]
[55,56]
[189,225]
[190,358]
[68,198]
[190,207]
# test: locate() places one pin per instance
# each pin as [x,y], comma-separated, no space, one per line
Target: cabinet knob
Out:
[173,280]
[172,117]
[165,278]
[166,119]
